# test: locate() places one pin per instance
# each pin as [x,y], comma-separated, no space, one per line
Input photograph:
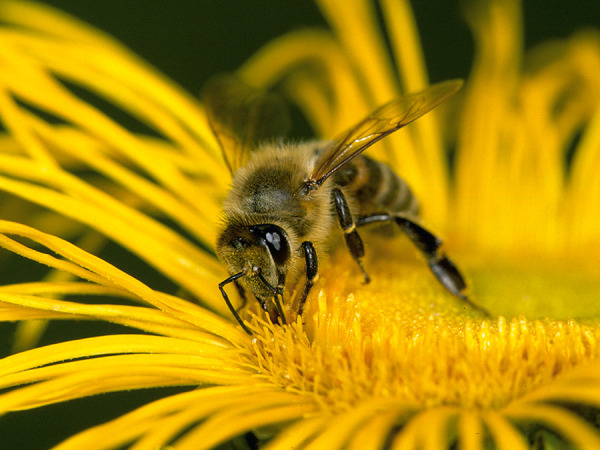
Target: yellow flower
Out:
[397,363]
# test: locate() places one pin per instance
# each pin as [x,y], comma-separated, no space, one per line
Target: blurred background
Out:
[191,40]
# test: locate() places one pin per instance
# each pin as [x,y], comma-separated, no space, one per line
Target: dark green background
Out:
[189,41]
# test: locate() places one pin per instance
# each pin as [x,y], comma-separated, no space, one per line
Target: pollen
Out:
[402,338]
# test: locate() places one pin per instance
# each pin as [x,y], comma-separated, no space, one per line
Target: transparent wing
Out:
[241,117]
[383,121]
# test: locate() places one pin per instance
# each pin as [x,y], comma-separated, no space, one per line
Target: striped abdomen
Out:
[375,187]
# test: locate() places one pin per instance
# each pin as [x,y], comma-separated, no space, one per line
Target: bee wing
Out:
[241,117]
[383,121]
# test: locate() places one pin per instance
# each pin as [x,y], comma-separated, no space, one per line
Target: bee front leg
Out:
[353,240]
[222,285]
[312,272]
[242,294]
[279,299]
[274,315]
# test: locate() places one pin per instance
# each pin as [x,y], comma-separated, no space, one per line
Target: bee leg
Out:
[228,302]
[353,240]
[278,304]
[429,244]
[277,295]
[242,294]
[312,272]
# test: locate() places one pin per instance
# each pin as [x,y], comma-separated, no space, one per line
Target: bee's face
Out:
[261,252]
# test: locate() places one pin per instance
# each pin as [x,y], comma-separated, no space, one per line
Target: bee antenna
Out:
[310,185]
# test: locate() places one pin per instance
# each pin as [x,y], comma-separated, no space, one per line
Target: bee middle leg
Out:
[312,272]
[429,244]
[353,240]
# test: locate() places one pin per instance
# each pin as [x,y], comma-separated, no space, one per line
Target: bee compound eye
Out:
[275,239]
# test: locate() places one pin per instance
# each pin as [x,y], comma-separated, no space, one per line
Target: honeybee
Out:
[287,199]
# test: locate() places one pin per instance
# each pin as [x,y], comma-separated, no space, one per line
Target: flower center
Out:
[403,337]
[536,289]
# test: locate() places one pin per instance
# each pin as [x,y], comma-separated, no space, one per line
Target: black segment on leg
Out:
[448,274]
[351,236]
[279,300]
[312,272]
[442,267]
[277,294]
[424,240]
[228,302]
[242,294]
[429,244]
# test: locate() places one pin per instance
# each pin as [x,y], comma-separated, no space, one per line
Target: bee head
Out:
[261,252]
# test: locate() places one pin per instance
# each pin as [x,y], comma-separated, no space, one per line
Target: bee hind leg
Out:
[429,244]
